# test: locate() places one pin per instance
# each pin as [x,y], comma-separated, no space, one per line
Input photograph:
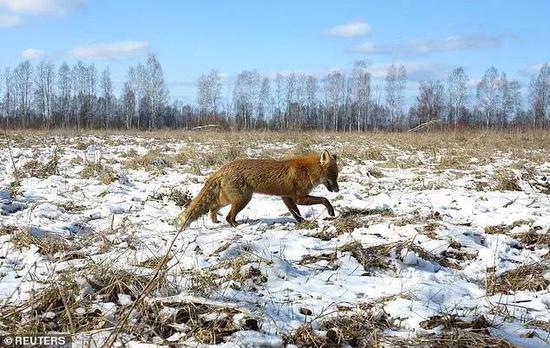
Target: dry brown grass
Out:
[505,229]
[505,180]
[49,245]
[54,308]
[369,257]
[154,160]
[347,224]
[307,225]
[453,339]
[480,141]
[329,257]
[532,237]
[356,327]
[180,197]
[99,171]
[386,212]
[525,277]
[207,324]
[35,168]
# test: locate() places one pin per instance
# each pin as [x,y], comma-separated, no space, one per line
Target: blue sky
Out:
[192,37]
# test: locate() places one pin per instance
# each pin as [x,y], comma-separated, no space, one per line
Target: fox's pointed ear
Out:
[325,157]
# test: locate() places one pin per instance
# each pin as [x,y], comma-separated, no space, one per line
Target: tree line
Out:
[78,96]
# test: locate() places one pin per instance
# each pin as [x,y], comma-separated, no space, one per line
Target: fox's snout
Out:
[332,187]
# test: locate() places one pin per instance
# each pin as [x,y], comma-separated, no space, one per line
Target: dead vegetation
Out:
[38,169]
[347,224]
[47,245]
[180,197]
[451,331]
[369,257]
[204,323]
[379,256]
[453,339]
[55,308]
[532,237]
[154,160]
[243,272]
[506,180]
[525,277]
[68,306]
[99,171]
[386,212]
[358,327]
[307,225]
[505,229]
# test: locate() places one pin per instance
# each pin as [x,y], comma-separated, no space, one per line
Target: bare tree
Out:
[209,93]
[291,86]
[9,95]
[334,95]
[279,100]
[488,96]
[515,99]
[361,93]
[396,81]
[107,97]
[23,87]
[312,87]
[509,99]
[128,104]
[539,96]
[430,103]
[457,92]
[44,90]
[265,106]
[156,90]
[64,93]
[245,96]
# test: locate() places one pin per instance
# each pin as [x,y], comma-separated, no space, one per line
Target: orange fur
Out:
[234,183]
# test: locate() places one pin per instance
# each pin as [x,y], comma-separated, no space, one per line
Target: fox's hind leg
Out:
[291,205]
[214,213]
[236,207]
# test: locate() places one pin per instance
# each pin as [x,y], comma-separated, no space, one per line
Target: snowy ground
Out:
[414,239]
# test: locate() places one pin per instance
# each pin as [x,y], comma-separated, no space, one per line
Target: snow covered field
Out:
[434,243]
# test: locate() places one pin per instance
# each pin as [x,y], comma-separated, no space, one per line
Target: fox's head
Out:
[330,171]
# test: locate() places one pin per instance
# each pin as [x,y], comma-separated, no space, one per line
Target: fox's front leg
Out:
[291,205]
[312,200]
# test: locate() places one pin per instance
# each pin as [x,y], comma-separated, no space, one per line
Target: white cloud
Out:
[42,7]
[32,53]
[350,29]
[9,20]
[419,47]
[456,43]
[367,47]
[110,51]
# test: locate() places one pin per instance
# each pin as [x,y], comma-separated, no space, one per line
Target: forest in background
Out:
[81,97]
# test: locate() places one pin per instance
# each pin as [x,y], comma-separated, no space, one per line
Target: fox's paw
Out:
[299,219]
[233,223]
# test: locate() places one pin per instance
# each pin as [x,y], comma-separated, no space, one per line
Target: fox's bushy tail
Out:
[200,205]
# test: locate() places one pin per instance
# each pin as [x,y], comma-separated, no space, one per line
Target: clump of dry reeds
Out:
[525,277]
[47,245]
[37,169]
[99,171]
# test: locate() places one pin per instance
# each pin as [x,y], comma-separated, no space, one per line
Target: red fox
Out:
[235,182]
